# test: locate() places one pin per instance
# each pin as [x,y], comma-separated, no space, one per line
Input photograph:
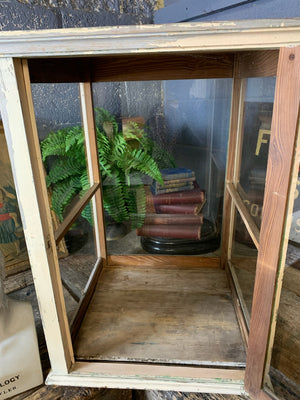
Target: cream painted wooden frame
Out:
[21,134]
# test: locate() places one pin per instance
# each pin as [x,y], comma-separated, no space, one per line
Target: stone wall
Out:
[57,105]
[53,14]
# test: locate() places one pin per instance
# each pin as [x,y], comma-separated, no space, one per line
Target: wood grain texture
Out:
[18,281]
[280,164]
[86,297]
[161,260]
[251,64]
[239,303]
[286,349]
[163,395]
[73,393]
[88,118]
[22,140]
[244,213]
[238,94]
[74,213]
[75,271]
[132,68]
[166,315]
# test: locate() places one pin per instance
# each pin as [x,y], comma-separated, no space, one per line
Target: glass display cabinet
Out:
[169,154]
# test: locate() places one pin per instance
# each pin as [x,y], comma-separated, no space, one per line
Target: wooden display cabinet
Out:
[176,327]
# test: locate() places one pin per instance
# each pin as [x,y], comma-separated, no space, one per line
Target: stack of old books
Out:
[174,208]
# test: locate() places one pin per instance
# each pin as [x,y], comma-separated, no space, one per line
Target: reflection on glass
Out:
[77,252]
[58,116]
[258,108]
[243,259]
[162,147]
[284,374]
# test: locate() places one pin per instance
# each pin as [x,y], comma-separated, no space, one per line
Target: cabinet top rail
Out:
[142,39]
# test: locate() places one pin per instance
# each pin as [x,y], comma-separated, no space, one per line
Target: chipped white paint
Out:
[197,36]
[40,246]
[152,377]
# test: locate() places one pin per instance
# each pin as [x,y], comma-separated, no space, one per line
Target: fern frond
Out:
[114,199]
[143,162]
[63,193]
[54,144]
[136,204]
[85,183]
[62,169]
[75,137]
[87,213]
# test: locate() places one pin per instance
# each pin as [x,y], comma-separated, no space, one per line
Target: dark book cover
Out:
[189,196]
[188,208]
[173,219]
[171,231]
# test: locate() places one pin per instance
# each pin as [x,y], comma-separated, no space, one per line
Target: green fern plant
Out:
[124,160]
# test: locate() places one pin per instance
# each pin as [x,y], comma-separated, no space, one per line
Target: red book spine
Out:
[173,219]
[171,231]
[189,196]
[178,208]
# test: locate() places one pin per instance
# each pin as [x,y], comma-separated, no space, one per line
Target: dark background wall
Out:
[51,14]
[57,105]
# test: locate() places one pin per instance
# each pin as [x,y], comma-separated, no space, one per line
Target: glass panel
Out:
[12,240]
[243,259]
[162,153]
[76,264]
[284,375]
[258,108]
[58,116]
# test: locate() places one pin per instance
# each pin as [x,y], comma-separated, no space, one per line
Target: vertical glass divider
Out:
[233,163]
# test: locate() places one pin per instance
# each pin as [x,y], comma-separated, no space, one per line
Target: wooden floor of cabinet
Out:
[166,314]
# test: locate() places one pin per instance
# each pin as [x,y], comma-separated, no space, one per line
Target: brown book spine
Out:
[173,219]
[177,181]
[189,208]
[189,196]
[171,231]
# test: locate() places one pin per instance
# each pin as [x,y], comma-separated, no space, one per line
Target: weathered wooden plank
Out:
[241,305]
[86,297]
[23,145]
[151,315]
[87,111]
[184,37]
[75,271]
[161,260]
[74,213]
[132,68]
[18,281]
[276,204]
[75,393]
[171,395]
[286,349]
[209,281]
[251,64]
[163,67]
[150,376]
[244,213]
[234,146]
